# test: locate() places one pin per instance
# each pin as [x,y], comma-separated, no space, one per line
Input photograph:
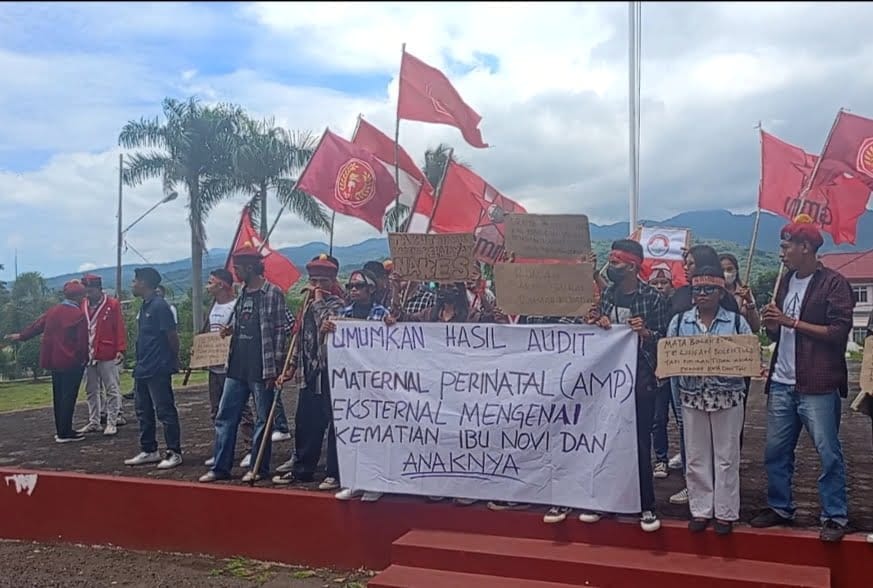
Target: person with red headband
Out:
[107,343]
[63,351]
[810,323]
[628,300]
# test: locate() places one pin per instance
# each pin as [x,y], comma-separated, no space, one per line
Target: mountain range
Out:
[734,230]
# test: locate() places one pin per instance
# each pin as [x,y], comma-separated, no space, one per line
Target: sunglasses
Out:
[356,285]
[703,290]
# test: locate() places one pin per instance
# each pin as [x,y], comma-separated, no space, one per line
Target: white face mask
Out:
[730,277]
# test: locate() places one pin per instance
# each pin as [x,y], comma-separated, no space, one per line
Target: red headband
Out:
[707,281]
[625,257]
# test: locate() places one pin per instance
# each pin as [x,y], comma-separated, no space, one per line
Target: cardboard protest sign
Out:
[209,350]
[730,355]
[441,258]
[562,289]
[548,236]
[476,410]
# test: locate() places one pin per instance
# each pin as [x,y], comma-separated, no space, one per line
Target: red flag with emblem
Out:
[278,269]
[849,151]
[836,200]
[427,95]
[468,204]
[415,191]
[349,180]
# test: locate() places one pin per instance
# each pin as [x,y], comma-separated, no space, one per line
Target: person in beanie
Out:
[157,359]
[384,294]
[63,351]
[810,322]
[107,343]
[314,414]
[712,410]
[629,301]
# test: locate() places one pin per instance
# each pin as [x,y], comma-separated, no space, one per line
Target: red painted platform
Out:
[315,529]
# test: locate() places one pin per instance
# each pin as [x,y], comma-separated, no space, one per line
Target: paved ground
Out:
[26,441]
[28,565]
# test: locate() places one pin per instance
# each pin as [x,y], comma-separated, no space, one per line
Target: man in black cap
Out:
[157,359]
[384,295]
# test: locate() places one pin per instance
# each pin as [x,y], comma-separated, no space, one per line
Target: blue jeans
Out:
[154,396]
[787,413]
[230,409]
[663,403]
[280,421]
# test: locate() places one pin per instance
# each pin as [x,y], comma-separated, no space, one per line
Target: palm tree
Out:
[192,149]
[268,157]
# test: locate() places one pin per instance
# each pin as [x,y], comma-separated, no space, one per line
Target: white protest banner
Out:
[540,414]
[663,244]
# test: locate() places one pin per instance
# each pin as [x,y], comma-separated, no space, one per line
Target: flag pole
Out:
[332,221]
[633,112]
[804,193]
[757,225]
[397,127]
[438,189]
[296,183]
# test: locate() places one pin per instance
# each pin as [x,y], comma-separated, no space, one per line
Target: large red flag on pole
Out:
[349,180]
[849,151]
[835,201]
[427,95]
[278,269]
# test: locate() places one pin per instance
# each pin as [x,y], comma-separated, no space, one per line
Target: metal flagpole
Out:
[634,13]
[754,243]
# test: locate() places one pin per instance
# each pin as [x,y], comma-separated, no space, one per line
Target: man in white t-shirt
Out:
[810,323]
[220,286]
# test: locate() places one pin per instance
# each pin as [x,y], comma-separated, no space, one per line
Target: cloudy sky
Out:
[550,81]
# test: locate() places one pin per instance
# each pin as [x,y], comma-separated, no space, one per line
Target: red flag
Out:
[427,95]
[349,180]
[468,204]
[835,203]
[849,150]
[415,191]
[278,269]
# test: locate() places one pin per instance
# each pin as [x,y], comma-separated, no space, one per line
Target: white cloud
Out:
[555,108]
[86,267]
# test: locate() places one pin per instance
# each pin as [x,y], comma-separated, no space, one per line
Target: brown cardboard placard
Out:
[442,258]
[556,289]
[728,356]
[548,236]
[209,350]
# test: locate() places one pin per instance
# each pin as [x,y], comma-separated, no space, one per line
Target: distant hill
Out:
[726,231]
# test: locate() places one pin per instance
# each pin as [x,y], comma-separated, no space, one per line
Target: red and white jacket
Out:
[107,333]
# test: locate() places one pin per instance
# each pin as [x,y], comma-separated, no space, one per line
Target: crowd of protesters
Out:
[809,321]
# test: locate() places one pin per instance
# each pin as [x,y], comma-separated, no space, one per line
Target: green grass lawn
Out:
[22,395]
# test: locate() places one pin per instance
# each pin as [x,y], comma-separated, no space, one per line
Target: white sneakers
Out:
[170,460]
[675,462]
[587,516]
[680,497]
[660,471]
[246,462]
[349,494]
[279,436]
[110,430]
[286,467]
[329,484]
[870,538]
[90,428]
[209,462]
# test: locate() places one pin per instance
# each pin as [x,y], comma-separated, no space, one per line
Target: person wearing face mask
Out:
[741,292]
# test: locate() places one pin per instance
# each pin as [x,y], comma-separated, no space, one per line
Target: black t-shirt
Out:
[246,364]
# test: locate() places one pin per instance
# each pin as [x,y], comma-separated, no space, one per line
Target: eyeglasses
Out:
[356,285]
[703,290]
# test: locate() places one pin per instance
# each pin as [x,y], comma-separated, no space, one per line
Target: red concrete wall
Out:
[315,529]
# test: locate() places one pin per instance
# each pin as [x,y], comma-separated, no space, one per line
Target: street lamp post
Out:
[168,198]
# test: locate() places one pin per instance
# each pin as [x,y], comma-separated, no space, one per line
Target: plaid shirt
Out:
[423,299]
[377,312]
[820,364]
[273,313]
[647,304]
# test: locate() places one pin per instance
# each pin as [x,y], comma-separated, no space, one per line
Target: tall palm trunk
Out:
[264,227]
[196,221]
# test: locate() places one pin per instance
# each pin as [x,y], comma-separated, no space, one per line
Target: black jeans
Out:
[314,417]
[645,397]
[155,396]
[65,390]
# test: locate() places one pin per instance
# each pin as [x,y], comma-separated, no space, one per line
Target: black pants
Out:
[745,403]
[65,390]
[154,396]
[314,417]
[645,398]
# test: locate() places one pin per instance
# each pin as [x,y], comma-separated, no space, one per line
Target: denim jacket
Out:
[708,393]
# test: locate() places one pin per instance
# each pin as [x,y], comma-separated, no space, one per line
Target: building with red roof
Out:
[857,267]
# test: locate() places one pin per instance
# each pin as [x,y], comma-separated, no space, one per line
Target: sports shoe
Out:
[143,458]
[329,484]
[723,528]
[110,430]
[171,460]
[660,470]
[371,496]
[769,518]
[209,462]
[120,421]
[209,476]
[251,477]
[870,538]
[590,517]
[501,505]
[285,479]
[435,498]
[246,462]
[556,514]
[675,462]
[832,531]
[698,525]
[279,436]
[286,467]
[649,521]
[680,497]
[70,439]
[464,501]
[347,494]
[90,428]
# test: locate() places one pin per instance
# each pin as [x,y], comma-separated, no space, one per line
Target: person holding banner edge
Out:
[628,300]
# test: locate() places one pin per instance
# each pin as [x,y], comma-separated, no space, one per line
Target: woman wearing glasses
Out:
[712,409]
